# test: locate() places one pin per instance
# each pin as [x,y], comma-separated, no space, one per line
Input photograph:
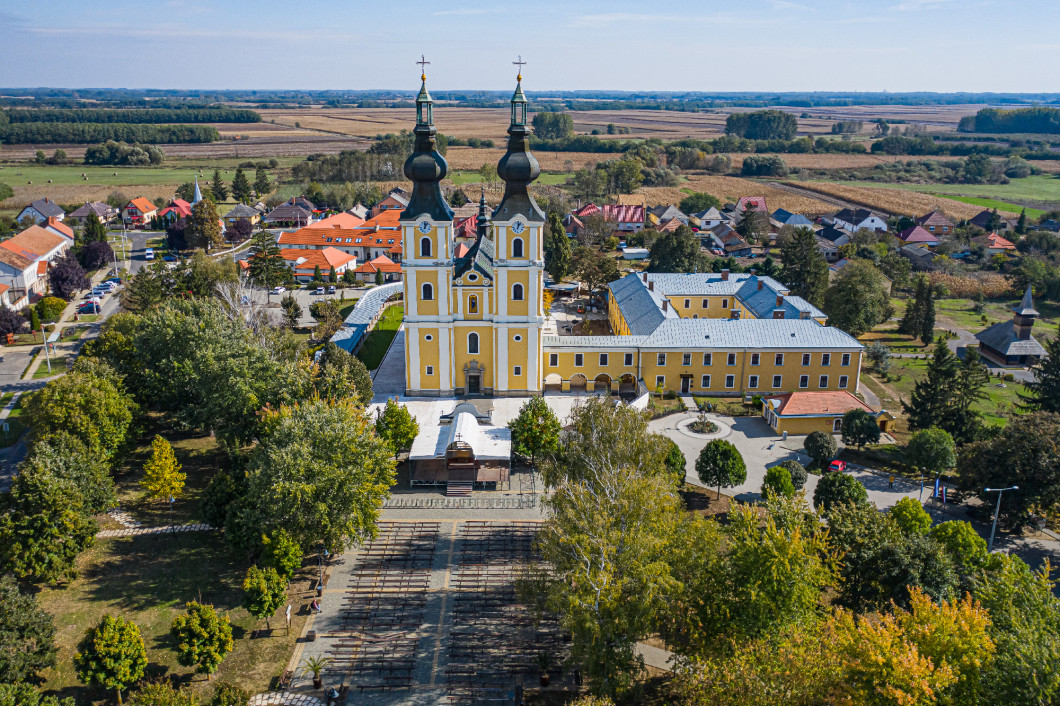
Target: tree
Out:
[1044,390]
[11,321]
[805,269]
[320,473]
[23,694]
[910,516]
[264,590]
[66,277]
[203,638]
[267,267]
[241,189]
[698,202]
[762,125]
[879,357]
[68,458]
[292,310]
[50,309]
[229,695]
[931,450]
[778,481]
[796,471]
[676,463]
[677,252]
[111,655]
[553,126]
[752,224]
[1025,453]
[945,396]
[535,431]
[344,375]
[34,320]
[261,183]
[162,693]
[858,301]
[558,253]
[217,187]
[95,230]
[836,488]
[146,288]
[594,268]
[860,428]
[282,553]
[396,426]
[162,477]
[243,228]
[202,275]
[27,634]
[97,254]
[720,464]
[962,543]
[203,229]
[379,279]
[326,313]
[88,403]
[594,230]
[821,447]
[318,275]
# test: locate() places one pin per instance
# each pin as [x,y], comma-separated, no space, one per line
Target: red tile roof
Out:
[623,214]
[142,205]
[995,241]
[54,223]
[339,220]
[310,259]
[33,243]
[379,264]
[916,234]
[586,210]
[758,201]
[817,403]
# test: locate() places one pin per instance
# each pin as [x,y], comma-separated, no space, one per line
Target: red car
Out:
[837,466]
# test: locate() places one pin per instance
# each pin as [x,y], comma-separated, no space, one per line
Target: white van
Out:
[149,254]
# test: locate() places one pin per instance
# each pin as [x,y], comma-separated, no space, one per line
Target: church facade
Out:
[475,323]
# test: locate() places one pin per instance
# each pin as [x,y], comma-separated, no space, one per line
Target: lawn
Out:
[58,365]
[15,425]
[379,338]
[174,171]
[1038,189]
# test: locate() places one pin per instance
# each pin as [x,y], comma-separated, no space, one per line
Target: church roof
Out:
[1026,307]
[1003,339]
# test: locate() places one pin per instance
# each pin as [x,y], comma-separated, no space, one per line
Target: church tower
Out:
[518,225]
[427,246]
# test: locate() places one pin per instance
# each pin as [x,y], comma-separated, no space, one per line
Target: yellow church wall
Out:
[425,307]
[429,357]
[518,308]
[414,238]
[461,357]
[717,307]
[482,303]
[519,355]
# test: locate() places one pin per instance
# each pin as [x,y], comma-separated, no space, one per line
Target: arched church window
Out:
[472,304]
[472,343]
[428,292]
[425,247]
[517,292]
[517,247]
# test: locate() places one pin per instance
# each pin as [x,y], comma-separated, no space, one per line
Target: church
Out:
[475,324]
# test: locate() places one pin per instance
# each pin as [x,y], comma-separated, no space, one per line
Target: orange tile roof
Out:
[817,403]
[142,204]
[324,259]
[386,235]
[42,267]
[55,224]
[381,263]
[14,259]
[339,220]
[34,242]
[995,241]
[4,288]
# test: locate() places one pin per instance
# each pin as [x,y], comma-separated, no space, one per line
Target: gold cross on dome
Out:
[520,63]
[423,67]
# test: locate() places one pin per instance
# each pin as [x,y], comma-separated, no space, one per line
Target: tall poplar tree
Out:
[558,253]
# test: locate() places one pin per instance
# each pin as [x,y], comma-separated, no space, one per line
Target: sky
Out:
[677,45]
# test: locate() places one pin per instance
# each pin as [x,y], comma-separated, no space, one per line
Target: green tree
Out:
[752,225]
[1043,392]
[836,488]
[720,464]
[942,398]
[379,278]
[202,275]
[860,428]
[778,481]
[535,431]
[396,426]
[50,308]
[161,692]
[229,695]
[343,375]
[962,543]
[292,310]
[264,590]
[594,268]
[261,183]
[218,189]
[282,553]
[698,202]
[910,516]
[162,477]
[796,471]
[318,276]
[267,267]
[912,322]
[821,447]
[676,462]
[148,287]
[931,450]
[320,473]
[95,230]
[805,269]
[23,694]
[111,655]
[34,320]
[203,229]
[552,126]
[858,300]
[558,253]
[27,634]
[677,252]
[68,458]
[241,189]
[203,638]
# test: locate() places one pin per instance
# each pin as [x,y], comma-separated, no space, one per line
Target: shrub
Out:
[911,517]
[778,481]
[836,488]
[796,471]
[49,309]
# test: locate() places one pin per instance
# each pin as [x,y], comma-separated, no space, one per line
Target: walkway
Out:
[389,378]
[164,529]
[284,698]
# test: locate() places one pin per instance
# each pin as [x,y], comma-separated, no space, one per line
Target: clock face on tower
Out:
[518,227]
[425,227]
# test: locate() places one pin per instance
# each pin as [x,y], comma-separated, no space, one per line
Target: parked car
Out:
[89,307]
[837,466]
[331,289]
[149,254]
[116,281]
[280,289]
[169,258]
[318,290]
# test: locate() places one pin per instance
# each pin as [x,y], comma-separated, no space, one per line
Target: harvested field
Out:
[730,189]
[892,200]
[472,158]
[820,161]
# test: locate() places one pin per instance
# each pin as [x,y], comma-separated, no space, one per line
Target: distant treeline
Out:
[1034,120]
[719,145]
[92,133]
[924,145]
[133,116]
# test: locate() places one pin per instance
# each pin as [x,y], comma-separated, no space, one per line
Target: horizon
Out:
[770,46]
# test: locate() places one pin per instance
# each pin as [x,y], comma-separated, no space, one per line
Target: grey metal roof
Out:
[364,311]
[46,207]
[642,308]
[1002,338]
[289,212]
[99,208]
[709,283]
[833,234]
[711,214]
[592,342]
[241,210]
[1026,307]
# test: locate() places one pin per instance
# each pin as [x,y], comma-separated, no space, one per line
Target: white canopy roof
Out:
[486,441]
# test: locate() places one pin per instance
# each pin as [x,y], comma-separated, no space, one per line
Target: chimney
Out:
[376,229]
[780,300]
[724,275]
[752,271]
[651,286]
[759,285]
[665,304]
[645,276]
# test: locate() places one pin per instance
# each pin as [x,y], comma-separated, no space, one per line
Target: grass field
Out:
[1038,189]
[379,338]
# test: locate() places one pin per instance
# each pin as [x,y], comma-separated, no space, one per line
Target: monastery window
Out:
[842,382]
[804,382]
[660,381]
[823,382]
[517,338]
[430,370]
[603,360]
[425,247]
[579,360]
[826,359]
[517,371]
[695,316]
[755,359]
[777,382]
[472,343]
[517,247]
[660,359]
[472,304]
[688,303]
[805,358]
[428,337]
[730,381]
[629,359]
[553,360]
[708,359]
[517,292]
[706,303]
[706,382]
[686,359]
[428,292]
[724,303]
[732,359]
[778,360]
[752,382]
[846,359]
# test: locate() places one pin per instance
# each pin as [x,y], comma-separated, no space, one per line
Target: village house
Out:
[238,211]
[177,209]
[854,219]
[918,236]
[659,215]
[56,226]
[366,272]
[297,212]
[787,218]
[936,222]
[836,236]
[304,263]
[827,248]
[396,200]
[26,258]
[628,219]
[376,236]
[104,212]
[40,211]
[800,413]
[139,212]
[984,219]
[994,244]
[705,220]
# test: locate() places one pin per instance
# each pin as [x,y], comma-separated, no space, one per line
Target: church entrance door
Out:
[474,383]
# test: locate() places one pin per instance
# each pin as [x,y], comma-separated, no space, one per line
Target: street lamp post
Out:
[997,511]
[921,472]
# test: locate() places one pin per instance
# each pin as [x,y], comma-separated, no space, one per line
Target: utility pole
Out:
[997,511]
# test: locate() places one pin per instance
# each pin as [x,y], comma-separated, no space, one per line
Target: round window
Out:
[472,278]
[428,337]
[518,338]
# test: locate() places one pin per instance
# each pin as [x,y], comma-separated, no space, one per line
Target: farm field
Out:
[894,201]
[729,188]
[1039,189]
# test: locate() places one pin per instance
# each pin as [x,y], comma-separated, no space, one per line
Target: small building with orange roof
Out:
[56,226]
[139,212]
[994,244]
[366,272]
[799,413]
[303,263]
[377,236]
